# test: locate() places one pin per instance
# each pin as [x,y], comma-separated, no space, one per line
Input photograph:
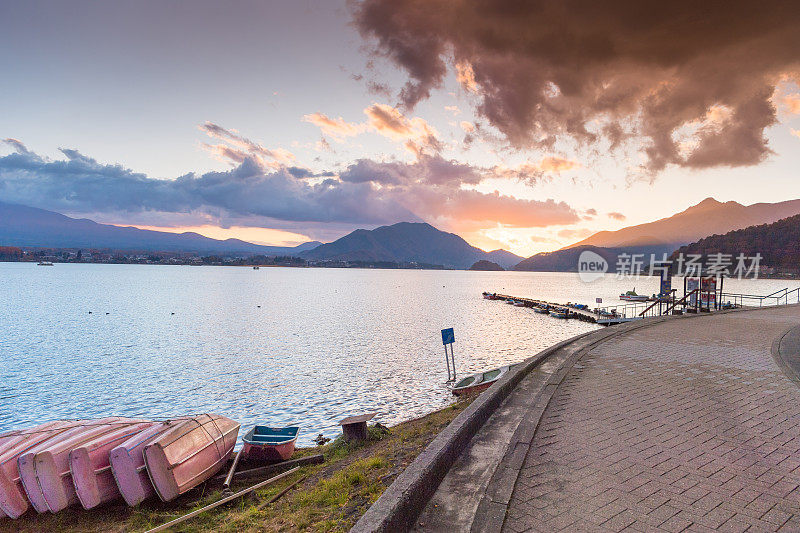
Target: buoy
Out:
[259,306]
[106,313]
[90,312]
[172,313]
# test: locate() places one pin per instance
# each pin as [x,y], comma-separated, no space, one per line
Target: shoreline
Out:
[331,496]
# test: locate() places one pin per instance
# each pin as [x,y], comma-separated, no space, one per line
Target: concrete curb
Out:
[786,352]
[398,507]
[493,507]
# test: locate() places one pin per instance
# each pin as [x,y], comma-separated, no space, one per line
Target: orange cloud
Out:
[417,135]
[557,164]
[617,216]
[468,127]
[796,133]
[466,77]
[792,103]
[337,128]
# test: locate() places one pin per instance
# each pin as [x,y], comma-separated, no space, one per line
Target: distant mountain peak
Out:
[700,220]
[403,242]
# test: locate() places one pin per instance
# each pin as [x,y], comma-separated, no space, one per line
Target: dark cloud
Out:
[80,184]
[367,193]
[586,70]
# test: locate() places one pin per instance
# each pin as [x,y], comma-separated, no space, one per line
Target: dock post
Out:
[447,360]
[448,337]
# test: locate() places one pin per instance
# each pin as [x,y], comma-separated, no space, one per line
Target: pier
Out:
[604,316]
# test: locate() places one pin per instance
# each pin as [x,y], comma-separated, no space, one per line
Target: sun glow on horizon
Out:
[255,235]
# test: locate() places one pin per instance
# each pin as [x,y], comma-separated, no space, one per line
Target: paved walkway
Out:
[687,425]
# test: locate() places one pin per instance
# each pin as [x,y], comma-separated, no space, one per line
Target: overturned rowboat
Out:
[91,469]
[189,453]
[127,464]
[45,470]
[13,500]
[270,444]
[480,381]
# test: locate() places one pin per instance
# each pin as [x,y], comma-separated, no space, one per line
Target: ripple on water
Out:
[326,343]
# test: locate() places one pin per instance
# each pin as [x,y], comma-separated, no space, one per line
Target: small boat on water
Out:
[561,313]
[519,303]
[541,310]
[255,267]
[489,296]
[189,453]
[44,264]
[269,444]
[510,301]
[631,296]
[480,381]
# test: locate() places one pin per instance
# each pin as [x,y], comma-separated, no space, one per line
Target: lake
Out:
[278,345]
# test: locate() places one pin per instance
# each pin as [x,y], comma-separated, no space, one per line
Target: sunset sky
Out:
[522,125]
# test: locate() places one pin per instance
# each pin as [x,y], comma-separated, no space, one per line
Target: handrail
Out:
[670,308]
[776,292]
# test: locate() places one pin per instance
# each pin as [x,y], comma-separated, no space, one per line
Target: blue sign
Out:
[448,336]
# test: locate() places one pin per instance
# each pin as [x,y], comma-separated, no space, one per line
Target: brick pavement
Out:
[688,425]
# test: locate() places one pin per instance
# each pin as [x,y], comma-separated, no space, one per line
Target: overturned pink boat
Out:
[44,469]
[127,464]
[90,467]
[190,452]
[13,501]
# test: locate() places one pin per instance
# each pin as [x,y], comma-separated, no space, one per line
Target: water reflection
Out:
[324,344]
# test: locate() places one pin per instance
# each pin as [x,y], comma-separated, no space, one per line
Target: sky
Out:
[521,125]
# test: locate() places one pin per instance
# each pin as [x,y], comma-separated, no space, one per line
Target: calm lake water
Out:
[324,343]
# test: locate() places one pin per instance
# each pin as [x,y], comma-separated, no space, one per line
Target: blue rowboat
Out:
[269,444]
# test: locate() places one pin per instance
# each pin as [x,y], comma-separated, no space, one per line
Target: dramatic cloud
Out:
[255,193]
[617,216]
[625,71]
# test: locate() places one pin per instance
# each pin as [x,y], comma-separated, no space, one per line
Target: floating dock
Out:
[587,315]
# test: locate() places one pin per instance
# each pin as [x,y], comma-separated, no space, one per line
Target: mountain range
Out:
[665,235]
[778,245]
[408,241]
[399,243]
[29,226]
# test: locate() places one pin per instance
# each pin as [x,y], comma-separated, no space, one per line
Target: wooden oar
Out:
[186,517]
[226,487]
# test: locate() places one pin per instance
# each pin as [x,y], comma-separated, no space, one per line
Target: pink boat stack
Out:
[62,463]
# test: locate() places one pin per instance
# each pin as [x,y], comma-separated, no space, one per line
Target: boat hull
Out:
[189,453]
[480,382]
[90,467]
[45,472]
[13,500]
[281,452]
[472,390]
[128,468]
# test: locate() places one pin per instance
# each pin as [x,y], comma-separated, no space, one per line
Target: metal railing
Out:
[784,296]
